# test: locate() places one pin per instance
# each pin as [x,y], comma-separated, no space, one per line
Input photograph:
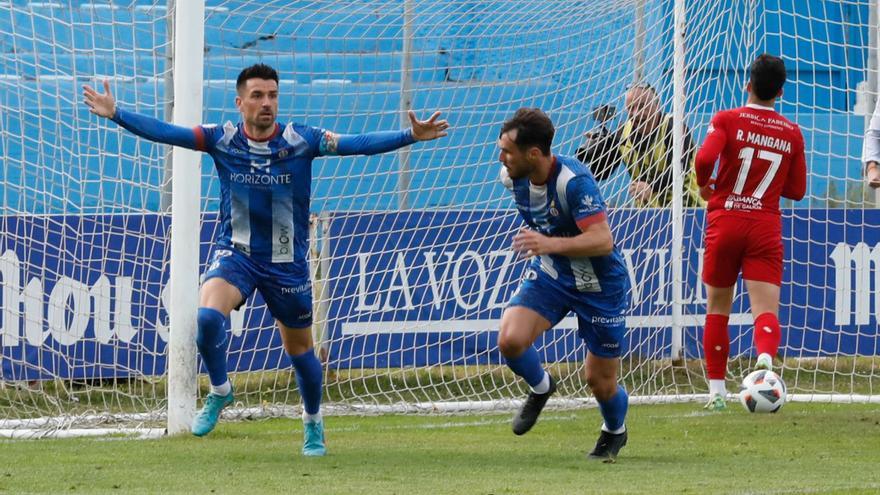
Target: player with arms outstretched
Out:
[265,172]
[761,158]
[575,266]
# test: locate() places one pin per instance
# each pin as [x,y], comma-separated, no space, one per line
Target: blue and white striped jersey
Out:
[265,185]
[265,188]
[563,207]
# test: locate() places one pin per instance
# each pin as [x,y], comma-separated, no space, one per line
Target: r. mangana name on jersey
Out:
[263,179]
[764,141]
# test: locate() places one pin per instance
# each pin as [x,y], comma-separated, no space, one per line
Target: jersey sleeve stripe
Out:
[200,138]
[585,222]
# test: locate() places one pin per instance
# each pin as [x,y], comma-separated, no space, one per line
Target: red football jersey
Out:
[762,158]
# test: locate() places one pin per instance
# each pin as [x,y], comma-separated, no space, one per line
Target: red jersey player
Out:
[761,158]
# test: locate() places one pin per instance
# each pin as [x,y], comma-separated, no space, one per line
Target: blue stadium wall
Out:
[39,99]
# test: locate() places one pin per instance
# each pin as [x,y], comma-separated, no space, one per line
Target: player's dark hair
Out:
[256,71]
[767,76]
[533,128]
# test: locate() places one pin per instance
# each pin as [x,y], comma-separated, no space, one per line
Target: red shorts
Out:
[734,243]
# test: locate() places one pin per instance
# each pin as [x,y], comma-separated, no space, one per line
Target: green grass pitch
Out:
[678,448]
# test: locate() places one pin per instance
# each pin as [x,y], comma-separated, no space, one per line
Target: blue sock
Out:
[309,377]
[211,341]
[528,366]
[614,409]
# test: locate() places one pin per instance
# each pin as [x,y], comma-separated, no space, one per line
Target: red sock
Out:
[767,334]
[716,346]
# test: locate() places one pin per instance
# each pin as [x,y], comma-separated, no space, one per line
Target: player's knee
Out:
[604,390]
[603,386]
[592,380]
[511,344]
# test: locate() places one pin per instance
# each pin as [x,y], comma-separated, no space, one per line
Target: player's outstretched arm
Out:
[104,105]
[372,143]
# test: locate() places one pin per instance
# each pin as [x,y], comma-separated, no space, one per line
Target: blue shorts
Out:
[285,287]
[601,317]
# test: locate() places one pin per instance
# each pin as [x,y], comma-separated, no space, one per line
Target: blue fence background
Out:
[420,302]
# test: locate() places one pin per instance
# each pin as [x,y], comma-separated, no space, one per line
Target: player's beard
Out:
[262,123]
[517,172]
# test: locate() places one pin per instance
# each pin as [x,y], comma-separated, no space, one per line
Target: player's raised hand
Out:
[528,243]
[426,130]
[101,104]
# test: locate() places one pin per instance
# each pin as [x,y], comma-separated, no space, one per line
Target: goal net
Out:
[411,251]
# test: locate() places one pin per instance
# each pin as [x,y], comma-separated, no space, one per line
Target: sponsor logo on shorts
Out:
[304,316]
[611,345]
[607,320]
[297,289]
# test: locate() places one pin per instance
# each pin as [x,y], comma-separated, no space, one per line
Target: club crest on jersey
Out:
[553,211]
[282,154]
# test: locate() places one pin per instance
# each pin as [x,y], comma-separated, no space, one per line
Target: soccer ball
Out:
[762,392]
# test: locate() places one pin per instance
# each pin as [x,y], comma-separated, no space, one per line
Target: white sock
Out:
[614,432]
[311,418]
[544,386]
[717,387]
[222,390]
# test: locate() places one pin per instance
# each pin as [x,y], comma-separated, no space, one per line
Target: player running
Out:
[762,158]
[575,266]
[265,172]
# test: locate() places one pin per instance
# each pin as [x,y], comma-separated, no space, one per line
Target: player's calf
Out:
[767,337]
